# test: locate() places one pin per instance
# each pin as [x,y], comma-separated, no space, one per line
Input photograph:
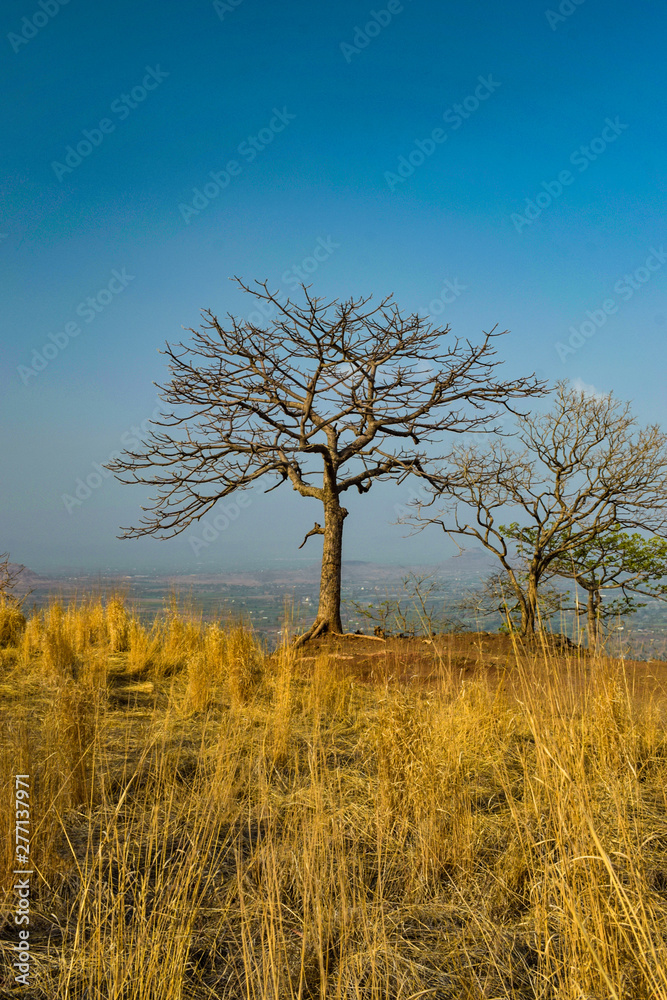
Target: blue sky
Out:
[514,153]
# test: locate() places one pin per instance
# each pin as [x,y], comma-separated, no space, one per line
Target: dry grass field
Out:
[462,819]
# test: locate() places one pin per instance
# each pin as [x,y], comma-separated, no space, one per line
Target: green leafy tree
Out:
[617,562]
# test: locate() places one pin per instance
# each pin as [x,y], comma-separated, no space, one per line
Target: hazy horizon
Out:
[277,564]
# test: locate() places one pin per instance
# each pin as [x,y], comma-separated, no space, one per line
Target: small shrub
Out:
[119,625]
[85,626]
[94,669]
[12,623]
[33,635]
[9,656]
[242,664]
[143,653]
[60,659]
[69,729]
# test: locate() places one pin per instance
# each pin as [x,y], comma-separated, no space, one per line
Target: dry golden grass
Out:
[209,821]
[12,622]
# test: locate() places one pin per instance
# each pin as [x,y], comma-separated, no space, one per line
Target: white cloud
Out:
[588,390]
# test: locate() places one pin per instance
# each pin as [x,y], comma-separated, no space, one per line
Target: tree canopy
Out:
[586,468]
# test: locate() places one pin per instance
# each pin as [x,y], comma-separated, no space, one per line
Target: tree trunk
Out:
[330,580]
[529,608]
[527,619]
[592,610]
[521,600]
[328,612]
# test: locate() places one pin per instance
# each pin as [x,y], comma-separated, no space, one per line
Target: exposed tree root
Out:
[319,628]
[355,635]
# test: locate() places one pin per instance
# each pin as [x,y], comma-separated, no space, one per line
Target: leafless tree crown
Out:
[360,388]
[586,468]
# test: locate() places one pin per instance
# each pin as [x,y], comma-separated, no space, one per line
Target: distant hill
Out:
[25,578]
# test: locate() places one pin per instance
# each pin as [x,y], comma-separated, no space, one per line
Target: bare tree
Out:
[331,397]
[12,619]
[412,611]
[496,597]
[585,468]
[10,574]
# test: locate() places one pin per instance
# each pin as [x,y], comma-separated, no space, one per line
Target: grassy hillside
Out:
[368,819]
